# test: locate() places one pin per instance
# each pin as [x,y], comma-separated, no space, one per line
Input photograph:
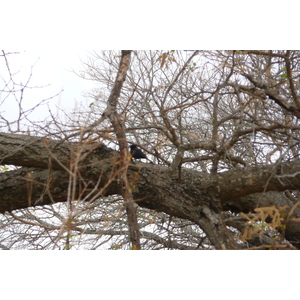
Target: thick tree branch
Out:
[26,151]
[195,198]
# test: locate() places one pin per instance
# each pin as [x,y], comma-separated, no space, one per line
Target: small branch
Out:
[111,112]
[290,77]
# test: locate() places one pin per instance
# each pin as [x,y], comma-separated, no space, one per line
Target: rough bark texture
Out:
[197,197]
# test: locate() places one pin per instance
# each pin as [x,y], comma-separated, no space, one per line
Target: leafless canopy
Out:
[222,128]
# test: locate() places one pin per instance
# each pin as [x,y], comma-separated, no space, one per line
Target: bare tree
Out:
[222,128]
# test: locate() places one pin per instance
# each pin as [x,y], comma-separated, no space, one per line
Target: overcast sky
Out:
[55,68]
[52,74]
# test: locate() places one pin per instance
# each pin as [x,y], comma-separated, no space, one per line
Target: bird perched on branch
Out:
[137,153]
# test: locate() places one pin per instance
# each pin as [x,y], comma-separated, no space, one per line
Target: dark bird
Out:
[137,153]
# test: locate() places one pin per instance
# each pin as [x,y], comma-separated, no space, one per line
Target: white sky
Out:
[52,73]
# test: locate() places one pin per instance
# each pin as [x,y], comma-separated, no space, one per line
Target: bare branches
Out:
[221,126]
[16,107]
[290,78]
[119,129]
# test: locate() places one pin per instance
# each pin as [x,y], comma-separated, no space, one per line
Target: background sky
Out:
[52,78]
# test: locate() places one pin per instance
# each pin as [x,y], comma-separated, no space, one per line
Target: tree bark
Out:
[198,197]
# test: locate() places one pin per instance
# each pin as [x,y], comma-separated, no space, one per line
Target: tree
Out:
[222,128]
